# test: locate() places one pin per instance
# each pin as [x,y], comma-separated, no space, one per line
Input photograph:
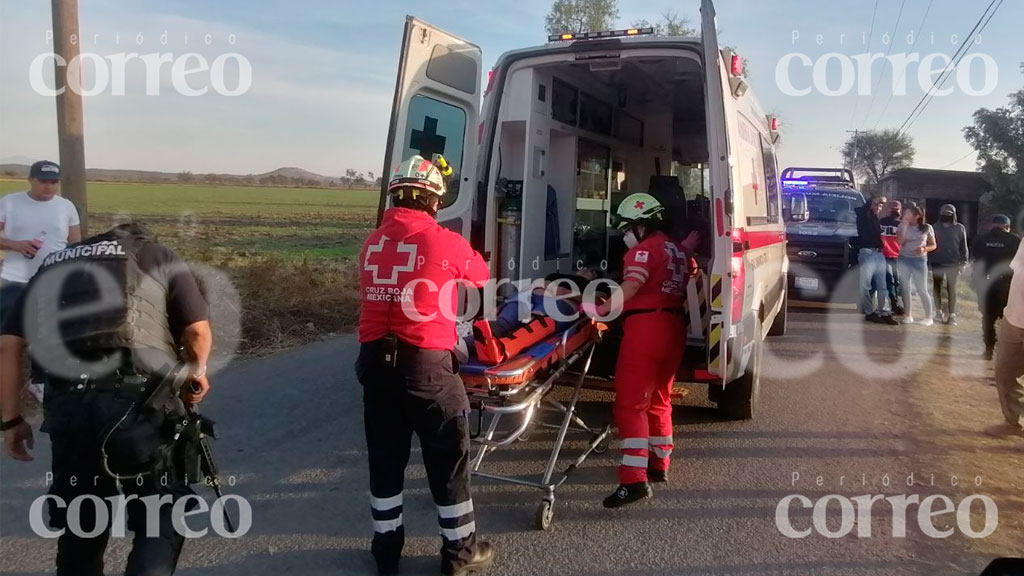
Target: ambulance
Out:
[568,129]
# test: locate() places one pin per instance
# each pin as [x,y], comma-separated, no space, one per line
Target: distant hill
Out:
[286,176]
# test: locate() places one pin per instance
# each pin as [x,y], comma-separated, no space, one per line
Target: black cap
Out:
[1001,220]
[45,170]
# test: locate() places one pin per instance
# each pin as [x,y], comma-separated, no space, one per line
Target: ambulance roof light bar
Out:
[602,35]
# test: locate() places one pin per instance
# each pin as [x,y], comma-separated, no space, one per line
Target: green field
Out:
[210,222]
[289,251]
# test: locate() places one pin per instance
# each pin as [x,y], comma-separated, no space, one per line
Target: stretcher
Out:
[520,390]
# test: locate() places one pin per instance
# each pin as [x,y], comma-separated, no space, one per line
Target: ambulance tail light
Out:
[738,274]
[491,76]
[736,65]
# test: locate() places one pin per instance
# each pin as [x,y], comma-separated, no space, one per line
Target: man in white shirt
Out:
[1009,364]
[33,224]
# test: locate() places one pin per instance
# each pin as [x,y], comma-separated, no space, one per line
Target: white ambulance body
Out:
[568,129]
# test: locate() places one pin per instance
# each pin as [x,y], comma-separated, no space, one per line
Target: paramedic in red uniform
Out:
[655,273]
[408,371]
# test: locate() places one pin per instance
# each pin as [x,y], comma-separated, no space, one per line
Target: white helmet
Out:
[416,174]
[638,208]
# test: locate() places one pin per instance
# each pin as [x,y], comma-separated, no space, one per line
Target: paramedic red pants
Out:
[652,348]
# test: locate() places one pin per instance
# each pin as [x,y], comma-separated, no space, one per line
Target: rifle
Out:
[207,465]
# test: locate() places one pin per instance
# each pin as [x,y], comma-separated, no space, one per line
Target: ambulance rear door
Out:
[718,97]
[436,110]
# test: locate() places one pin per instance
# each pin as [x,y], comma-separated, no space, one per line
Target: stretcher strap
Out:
[492,350]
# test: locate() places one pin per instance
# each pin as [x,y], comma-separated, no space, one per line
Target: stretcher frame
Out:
[528,400]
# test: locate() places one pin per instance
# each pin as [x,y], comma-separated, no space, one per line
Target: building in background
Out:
[933,188]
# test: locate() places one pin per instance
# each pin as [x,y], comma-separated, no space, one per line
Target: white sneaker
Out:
[908,319]
[927,322]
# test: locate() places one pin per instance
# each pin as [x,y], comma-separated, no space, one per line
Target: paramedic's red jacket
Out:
[662,268]
[406,263]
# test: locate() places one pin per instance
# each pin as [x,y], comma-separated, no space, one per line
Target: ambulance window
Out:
[771,179]
[437,127]
[453,69]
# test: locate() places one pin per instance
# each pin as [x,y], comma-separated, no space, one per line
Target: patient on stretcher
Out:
[523,320]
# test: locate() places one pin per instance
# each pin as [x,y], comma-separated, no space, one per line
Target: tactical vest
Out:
[97,313]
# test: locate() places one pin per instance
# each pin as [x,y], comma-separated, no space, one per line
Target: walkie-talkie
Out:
[389,350]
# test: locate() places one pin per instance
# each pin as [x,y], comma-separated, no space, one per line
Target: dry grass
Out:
[287,303]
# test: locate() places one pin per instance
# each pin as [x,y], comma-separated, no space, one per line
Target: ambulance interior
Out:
[575,138]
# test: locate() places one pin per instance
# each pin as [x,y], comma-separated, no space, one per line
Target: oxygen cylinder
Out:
[510,227]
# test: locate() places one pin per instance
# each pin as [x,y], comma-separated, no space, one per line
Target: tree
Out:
[671,24]
[581,16]
[875,153]
[998,136]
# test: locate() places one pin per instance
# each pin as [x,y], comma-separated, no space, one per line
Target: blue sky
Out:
[323,75]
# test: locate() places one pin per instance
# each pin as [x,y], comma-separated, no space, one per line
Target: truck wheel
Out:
[779,325]
[740,398]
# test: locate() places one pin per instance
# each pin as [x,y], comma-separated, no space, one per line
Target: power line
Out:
[871,32]
[892,40]
[943,74]
[958,160]
[920,29]
[947,71]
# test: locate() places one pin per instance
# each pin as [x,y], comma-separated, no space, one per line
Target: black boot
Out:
[483,557]
[627,494]
[657,475]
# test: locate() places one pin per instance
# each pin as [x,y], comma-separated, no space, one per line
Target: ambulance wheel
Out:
[779,325]
[740,398]
[544,516]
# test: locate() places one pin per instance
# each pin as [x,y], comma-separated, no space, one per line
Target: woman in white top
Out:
[916,240]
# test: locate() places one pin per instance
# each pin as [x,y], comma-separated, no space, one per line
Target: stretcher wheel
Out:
[545,514]
[602,447]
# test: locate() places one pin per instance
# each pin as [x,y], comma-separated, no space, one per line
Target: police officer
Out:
[408,370]
[656,270]
[992,253]
[103,319]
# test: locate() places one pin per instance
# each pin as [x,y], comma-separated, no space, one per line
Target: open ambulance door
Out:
[436,110]
[721,199]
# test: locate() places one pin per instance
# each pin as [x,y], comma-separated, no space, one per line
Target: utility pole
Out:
[70,125]
[856,134]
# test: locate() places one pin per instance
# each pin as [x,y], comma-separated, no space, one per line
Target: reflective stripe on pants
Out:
[652,348]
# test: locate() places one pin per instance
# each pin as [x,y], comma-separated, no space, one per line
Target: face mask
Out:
[630,240]
[946,218]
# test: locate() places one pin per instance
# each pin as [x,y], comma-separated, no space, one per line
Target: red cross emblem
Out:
[389,259]
[640,205]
